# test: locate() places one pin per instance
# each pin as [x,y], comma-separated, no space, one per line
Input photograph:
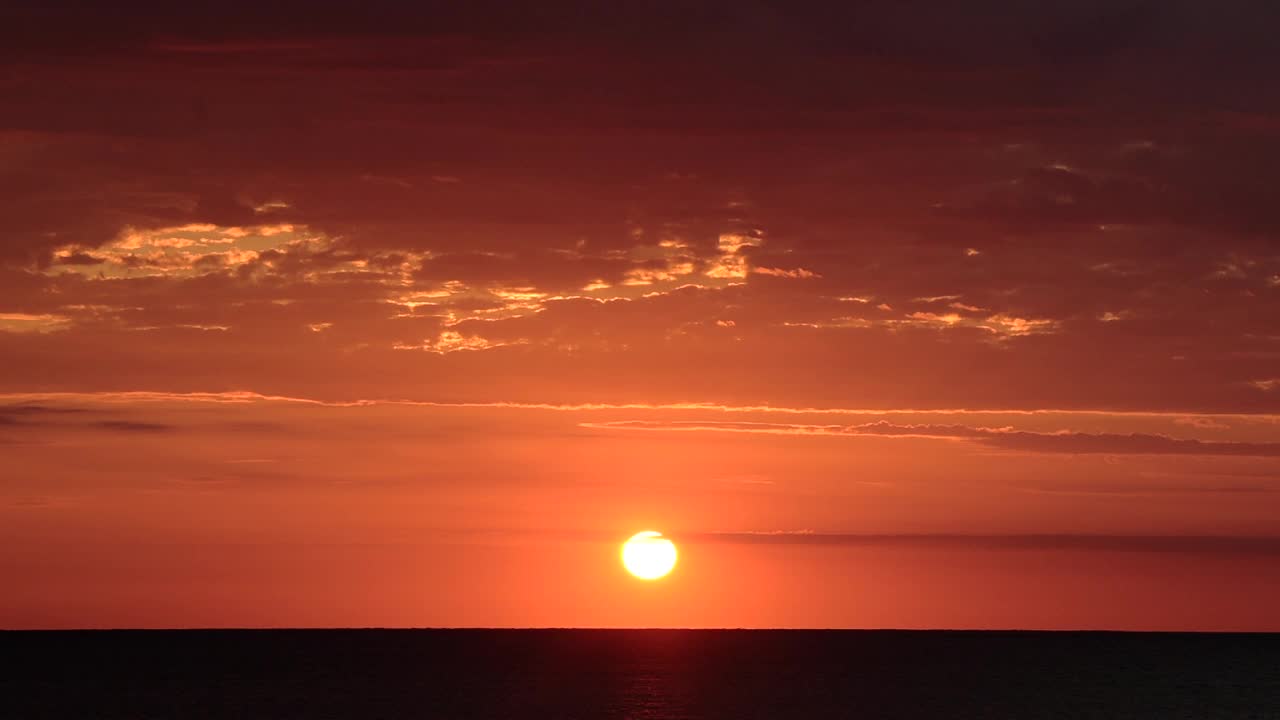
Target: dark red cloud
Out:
[1083,190]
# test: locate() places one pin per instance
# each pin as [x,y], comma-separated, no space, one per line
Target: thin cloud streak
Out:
[245,396]
[1267,546]
[1000,438]
[133,426]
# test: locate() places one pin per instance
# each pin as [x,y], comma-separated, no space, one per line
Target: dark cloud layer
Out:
[1213,545]
[1001,438]
[893,204]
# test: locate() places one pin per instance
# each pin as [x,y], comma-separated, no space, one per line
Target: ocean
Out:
[649,674]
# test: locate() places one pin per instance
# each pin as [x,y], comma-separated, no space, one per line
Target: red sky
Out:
[890,316]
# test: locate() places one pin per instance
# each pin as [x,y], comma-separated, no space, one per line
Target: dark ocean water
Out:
[532,674]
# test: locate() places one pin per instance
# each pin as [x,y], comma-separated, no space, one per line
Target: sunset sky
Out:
[888,314]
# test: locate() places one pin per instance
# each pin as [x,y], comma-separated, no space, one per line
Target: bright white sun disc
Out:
[648,555]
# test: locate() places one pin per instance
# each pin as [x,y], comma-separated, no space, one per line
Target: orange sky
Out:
[887,319]
[234,510]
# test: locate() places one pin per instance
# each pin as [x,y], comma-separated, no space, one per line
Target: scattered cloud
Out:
[796,273]
[451,341]
[731,263]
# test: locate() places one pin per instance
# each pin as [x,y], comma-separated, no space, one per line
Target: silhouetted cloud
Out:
[33,415]
[1209,544]
[131,426]
[1003,438]
[1134,443]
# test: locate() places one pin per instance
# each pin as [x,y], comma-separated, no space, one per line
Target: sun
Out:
[648,555]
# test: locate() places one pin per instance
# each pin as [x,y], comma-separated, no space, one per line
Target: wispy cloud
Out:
[247,396]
